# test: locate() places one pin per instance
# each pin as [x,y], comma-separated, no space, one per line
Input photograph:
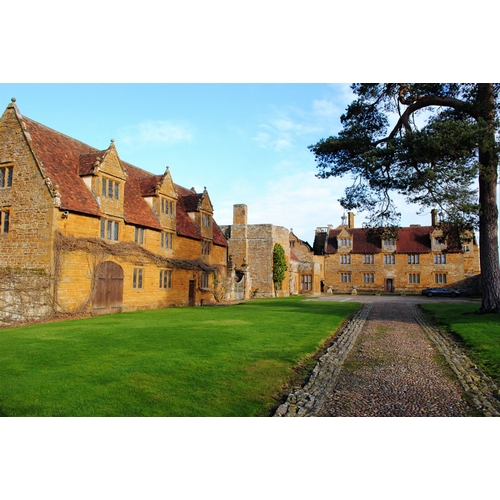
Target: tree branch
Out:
[425,102]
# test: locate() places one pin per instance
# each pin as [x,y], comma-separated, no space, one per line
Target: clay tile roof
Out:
[218,237]
[409,240]
[149,183]
[135,208]
[293,256]
[185,225]
[191,202]
[60,157]
[65,160]
[414,239]
[88,161]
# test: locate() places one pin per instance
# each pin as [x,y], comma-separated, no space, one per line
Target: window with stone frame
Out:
[206,220]
[166,240]
[139,235]
[413,258]
[165,278]
[368,258]
[109,229]
[205,280]
[110,189]
[306,281]
[6,174]
[205,247]
[345,258]
[368,277]
[440,279]
[345,277]
[4,221]
[414,278]
[439,258]
[167,207]
[137,280]
[389,259]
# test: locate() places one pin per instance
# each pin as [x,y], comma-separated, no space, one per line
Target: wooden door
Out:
[389,285]
[192,287]
[109,289]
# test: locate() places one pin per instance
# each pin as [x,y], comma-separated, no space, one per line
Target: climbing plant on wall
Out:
[279,266]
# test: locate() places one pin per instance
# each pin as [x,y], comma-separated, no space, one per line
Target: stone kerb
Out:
[308,399]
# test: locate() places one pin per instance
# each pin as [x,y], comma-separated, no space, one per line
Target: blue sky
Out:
[247,143]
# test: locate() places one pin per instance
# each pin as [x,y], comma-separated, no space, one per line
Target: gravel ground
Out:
[393,370]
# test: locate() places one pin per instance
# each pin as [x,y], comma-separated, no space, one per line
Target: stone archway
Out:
[109,289]
[239,286]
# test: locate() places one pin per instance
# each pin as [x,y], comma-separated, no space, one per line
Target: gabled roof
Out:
[65,160]
[409,240]
[185,225]
[135,208]
[149,184]
[88,161]
[60,158]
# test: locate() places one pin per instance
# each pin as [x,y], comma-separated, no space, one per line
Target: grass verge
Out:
[478,333]
[209,361]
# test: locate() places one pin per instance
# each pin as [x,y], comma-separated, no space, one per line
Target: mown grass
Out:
[478,333]
[209,361]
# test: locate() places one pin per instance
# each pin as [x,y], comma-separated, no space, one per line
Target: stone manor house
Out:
[84,232]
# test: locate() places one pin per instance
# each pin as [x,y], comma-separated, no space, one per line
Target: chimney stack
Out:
[434,217]
[240,214]
[350,220]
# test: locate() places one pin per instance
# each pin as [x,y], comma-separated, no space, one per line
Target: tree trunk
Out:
[488,218]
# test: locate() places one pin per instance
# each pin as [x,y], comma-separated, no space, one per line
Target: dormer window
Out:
[167,207]
[206,220]
[388,242]
[6,177]
[344,242]
[110,189]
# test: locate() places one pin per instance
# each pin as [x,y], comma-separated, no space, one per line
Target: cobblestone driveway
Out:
[392,364]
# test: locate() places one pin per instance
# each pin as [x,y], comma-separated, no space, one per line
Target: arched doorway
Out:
[239,286]
[109,289]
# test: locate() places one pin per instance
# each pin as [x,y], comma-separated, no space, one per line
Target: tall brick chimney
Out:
[350,219]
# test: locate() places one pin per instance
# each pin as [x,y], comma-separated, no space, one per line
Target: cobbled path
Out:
[390,361]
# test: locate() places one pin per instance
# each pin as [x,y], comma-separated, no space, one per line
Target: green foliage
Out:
[480,334]
[205,361]
[279,265]
[433,144]
[432,162]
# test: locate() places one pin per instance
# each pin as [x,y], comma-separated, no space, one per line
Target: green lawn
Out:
[204,361]
[479,333]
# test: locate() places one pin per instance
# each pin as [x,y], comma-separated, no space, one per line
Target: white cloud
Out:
[156,131]
[327,109]
[281,131]
[302,202]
